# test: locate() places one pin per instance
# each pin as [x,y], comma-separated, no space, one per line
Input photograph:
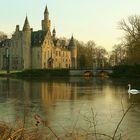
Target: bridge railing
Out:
[95,68]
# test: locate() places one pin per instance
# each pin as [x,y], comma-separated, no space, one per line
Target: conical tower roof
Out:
[72,41]
[26,26]
[54,31]
[46,10]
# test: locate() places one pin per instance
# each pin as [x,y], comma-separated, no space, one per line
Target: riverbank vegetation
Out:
[36,132]
[7,132]
[128,51]
[128,71]
[125,56]
[35,73]
[90,55]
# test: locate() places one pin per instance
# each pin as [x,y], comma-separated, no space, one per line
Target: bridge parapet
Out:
[95,72]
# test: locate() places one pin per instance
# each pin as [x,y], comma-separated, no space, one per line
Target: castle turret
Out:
[46,23]
[26,26]
[54,33]
[26,38]
[46,11]
[17,28]
[73,49]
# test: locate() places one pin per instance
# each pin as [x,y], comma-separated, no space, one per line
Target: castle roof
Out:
[46,10]
[72,42]
[5,42]
[54,31]
[38,37]
[26,26]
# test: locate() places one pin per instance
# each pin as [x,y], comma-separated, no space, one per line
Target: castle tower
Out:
[26,38]
[46,23]
[54,33]
[73,49]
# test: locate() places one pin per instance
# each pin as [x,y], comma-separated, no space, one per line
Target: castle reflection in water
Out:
[47,91]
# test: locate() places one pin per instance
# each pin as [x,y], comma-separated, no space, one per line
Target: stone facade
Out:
[28,49]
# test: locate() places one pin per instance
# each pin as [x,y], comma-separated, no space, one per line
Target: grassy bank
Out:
[36,73]
[127,71]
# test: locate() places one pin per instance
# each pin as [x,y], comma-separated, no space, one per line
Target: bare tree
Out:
[118,55]
[3,36]
[101,56]
[131,27]
[90,53]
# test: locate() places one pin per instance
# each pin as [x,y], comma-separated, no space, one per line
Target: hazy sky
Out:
[86,19]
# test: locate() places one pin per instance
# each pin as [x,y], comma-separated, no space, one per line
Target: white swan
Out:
[132,91]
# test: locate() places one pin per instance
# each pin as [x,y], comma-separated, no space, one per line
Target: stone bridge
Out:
[91,72]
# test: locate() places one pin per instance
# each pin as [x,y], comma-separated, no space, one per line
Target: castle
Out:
[28,49]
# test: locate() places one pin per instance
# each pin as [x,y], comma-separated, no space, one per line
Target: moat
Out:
[66,103]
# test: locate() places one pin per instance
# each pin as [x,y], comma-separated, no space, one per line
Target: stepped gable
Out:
[60,43]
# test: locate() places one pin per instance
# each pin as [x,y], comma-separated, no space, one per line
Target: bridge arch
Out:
[88,73]
[102,73]
[91,72]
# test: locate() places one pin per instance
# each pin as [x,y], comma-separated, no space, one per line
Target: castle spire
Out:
[46,10]
[54,32]
[73,49]
[46,23]
[26,26]
[72,41]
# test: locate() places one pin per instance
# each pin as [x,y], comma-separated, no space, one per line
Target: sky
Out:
[95,20]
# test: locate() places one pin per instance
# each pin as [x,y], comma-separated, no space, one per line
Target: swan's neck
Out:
[129,87]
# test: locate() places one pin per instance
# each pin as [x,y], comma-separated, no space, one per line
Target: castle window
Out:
[66,65]
[44,55]
[44,65]
[59,53]
[56,53]
[38,55]
[48,54]
[15,62]
[51,53]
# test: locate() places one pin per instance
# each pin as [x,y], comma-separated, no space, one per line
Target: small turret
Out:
[46,10]
[73,49]
[72,42]
[54,33]
[17,28]
[26,26]
[26,38]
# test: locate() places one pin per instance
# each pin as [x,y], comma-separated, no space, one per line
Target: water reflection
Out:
[62,101]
